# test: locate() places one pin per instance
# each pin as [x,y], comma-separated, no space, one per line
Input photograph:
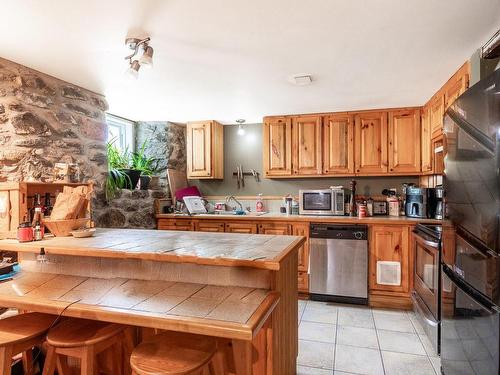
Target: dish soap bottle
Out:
[259,205]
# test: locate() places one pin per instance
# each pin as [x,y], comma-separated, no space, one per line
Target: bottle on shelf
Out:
[47,205]
[352,205]
[37,224]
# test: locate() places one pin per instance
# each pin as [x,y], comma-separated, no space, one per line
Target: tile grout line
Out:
[378,342]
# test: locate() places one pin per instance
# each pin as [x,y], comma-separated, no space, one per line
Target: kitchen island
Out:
[239,288]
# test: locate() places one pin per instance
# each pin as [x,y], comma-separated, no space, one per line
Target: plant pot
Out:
[145,181]
[154,184]
[133,178]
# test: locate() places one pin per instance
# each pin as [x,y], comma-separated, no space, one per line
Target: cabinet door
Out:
[438,155]
[338,145]
[175,224]
[456,85]
[277,146]
[199,149]
[371,143]
[404,141]
[208,226]
[302,229]
[436,112]
[390,243]
[306,145]
[275,228]
[303,282]
[247,228]
[426,142]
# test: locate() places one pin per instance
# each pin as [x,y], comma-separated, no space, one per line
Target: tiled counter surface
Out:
[248,292]
[231,312]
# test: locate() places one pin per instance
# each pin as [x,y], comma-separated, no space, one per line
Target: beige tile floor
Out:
[347,339]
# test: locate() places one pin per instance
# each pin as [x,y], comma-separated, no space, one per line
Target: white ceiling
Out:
[228,59]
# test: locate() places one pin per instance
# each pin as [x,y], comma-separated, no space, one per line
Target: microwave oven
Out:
[321,202]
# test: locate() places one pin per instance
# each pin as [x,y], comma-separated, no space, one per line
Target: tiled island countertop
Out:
[241,287]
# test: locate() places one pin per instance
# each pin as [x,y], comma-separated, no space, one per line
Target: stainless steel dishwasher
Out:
[339,263]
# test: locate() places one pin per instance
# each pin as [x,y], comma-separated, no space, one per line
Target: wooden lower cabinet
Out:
[240,227]
[390,271]
[303,284]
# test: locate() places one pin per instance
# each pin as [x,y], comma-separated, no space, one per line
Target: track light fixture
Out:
[146,60]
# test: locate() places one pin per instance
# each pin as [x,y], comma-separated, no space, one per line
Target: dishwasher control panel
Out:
[338,231]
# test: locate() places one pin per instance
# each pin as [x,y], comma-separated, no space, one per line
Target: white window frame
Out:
[126,130]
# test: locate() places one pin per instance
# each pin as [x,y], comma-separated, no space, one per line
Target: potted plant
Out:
[119,161]
[144,164]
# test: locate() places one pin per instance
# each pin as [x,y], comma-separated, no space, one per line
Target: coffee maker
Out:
[420,202]
[439,211]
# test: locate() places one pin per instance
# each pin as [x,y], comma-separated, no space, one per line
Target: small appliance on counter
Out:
[439,210]
[322,202]
[379,208]
[420,202]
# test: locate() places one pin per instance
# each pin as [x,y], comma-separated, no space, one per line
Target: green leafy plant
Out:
[141,162]
[117,159]
[117,178]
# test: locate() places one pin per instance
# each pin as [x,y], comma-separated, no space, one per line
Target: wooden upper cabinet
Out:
[306,145]
[390,244]
[456,85]
[425,141]
[277,146]
[370,142]
[436,113]
[205,150]
[338,144]
[404,141]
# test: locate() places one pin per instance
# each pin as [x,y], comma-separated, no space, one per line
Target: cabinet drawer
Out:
[303,279]
[275,228]
[207,226]
[175,224]
[247,228]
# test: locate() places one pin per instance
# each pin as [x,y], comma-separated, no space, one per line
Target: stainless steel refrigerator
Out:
[470,298]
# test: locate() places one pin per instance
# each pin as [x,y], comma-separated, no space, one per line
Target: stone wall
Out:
[166,141]
[44,120]
[130,209]
[135,209]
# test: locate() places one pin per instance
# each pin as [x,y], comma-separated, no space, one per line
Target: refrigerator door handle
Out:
[478,298]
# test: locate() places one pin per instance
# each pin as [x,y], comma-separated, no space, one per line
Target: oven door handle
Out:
[423,311]
[426,242]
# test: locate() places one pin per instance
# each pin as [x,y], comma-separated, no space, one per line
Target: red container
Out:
[361,211]
[25,232]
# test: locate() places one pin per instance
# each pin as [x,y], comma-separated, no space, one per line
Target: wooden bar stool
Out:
[172,353]
[19,334]
[85,340]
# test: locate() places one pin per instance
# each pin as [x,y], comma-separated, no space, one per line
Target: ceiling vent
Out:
[300,79]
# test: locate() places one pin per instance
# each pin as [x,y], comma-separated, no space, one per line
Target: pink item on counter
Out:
[361,211]
[191,191]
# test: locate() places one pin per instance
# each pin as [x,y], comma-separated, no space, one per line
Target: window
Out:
[121,131]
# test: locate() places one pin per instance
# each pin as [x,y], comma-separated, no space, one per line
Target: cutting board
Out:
[176,180]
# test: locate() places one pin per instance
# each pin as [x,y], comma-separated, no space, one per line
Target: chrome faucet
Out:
[232,198]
